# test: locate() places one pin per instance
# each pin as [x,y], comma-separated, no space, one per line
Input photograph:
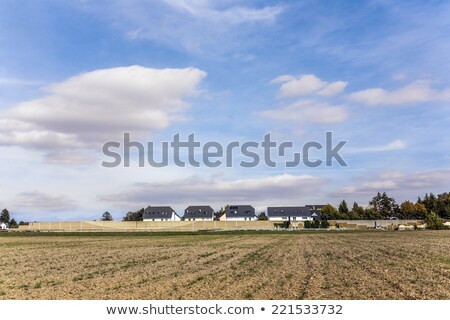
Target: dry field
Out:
[332,265]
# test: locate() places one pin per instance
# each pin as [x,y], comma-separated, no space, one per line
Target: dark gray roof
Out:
[198,212]
[315,206]
[288,211]
[240,211]
[316,210]
[158,212]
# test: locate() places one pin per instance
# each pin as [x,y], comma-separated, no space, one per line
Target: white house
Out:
[199,213]
[289,213]
[3,226]
[160,214]
[239,213]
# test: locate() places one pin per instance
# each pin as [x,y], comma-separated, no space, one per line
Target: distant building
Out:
[292,213]
[316,210]
[3,226]
[160,214]
[239,213]
[199,213]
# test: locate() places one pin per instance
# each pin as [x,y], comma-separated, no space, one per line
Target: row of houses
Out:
[233,213]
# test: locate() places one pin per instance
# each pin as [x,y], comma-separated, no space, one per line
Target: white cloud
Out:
[306,85]
[207,27]
[416,92]
[235,14]
[36,200]
[397,181]
[308,111]
[98,106]
[391,146]
[333,88]
[195,189]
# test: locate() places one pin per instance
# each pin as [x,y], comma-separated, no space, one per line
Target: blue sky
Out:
[75,75]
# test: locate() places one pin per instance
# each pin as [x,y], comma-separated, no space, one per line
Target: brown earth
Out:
[331,265]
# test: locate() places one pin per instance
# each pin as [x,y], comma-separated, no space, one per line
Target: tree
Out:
[429,201]
[357,212]
[134,216]
[262,216]
[324,224]
[409,210]
[443,205]
[371,214]
[106,217]
[343,210]
[221,212]
[385,206]
[433,221]
[4,216]
[329,212]
[13,223]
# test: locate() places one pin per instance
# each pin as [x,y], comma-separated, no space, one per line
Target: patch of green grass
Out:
[24,286]
[198,279]
[37,285]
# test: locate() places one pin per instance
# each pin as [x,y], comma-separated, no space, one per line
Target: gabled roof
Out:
[199,212]
[315,206]
[316,210]
[288,211]
[240,211]
[163,212]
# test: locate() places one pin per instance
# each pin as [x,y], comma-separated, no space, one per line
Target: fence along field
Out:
[294,265]
[131,226]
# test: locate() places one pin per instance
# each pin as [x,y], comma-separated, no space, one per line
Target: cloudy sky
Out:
[76,74]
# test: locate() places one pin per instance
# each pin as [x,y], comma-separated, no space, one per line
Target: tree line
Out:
[382,206]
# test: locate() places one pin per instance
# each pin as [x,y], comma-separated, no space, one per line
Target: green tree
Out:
[134,216]
[324,224]
[343,210]
[433,221]
[221,212]
[4,216]
[329,212]
[429,201]
[371,214]
[106,217]
[13,223]
[357,212]
[443,205]
[385,206]
[262,216]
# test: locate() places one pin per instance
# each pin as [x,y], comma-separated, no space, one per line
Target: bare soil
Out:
[330,265]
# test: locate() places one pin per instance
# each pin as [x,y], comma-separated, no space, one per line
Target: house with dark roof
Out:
[163,213]
[239,213]
[199,213]
[289,213]
[316,210]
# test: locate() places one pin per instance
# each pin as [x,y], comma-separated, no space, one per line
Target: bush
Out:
[315,224]
[433,221]
[324,224]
